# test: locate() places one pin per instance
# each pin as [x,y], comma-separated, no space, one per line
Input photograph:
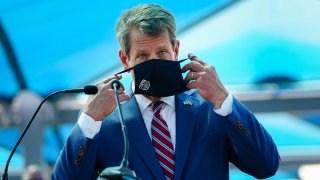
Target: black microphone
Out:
[87,90]
[122,171]
[90,89]
[115,84]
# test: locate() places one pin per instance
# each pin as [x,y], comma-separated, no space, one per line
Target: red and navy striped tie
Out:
[161,140]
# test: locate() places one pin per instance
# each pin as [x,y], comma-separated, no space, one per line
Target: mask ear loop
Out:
[180,61]
[126,70]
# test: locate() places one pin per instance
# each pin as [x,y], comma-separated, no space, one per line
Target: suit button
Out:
[243,129]
[247,133]
[81,150]
[239,125]
[80,153]
[77,162]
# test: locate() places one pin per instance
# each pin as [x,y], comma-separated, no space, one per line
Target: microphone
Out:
[87,90]
[90,89]
[122,171]
[115,84]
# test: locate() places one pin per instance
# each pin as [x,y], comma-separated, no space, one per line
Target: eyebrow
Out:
[162,47]
[140,50]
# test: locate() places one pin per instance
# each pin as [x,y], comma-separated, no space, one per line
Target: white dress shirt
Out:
[90,127]
[167,112]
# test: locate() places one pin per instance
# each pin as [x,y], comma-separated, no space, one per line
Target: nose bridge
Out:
[153,56]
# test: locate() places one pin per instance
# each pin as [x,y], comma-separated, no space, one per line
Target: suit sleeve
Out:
[77,158]
[252,149]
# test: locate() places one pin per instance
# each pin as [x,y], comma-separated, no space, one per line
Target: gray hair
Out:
[151,19]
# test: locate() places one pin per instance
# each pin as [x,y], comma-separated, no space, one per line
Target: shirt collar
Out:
[144,102]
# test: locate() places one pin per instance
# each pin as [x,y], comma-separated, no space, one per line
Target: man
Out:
[188,135]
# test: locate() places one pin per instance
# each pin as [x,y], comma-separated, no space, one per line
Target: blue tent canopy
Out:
[53,45]
[65,44]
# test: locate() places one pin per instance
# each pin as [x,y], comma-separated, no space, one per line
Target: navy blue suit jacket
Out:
[205,144]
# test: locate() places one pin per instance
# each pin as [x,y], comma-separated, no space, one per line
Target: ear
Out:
[124,59]
[176,50]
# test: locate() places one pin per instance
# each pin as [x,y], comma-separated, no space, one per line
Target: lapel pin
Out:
[187,103]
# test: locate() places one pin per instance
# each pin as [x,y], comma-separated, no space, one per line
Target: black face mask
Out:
[157,77]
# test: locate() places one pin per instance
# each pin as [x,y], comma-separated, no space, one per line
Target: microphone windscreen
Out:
[116,83]
[90,89]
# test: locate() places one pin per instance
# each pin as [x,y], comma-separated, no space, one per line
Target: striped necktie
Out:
[161,140]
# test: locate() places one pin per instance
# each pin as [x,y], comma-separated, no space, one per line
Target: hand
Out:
[204,78]
[103,103]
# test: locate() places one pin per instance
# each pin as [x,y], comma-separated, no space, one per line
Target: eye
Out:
[162,52]
[141,56]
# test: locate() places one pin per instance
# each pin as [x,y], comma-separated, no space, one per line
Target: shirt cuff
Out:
[89,126]
[226,107]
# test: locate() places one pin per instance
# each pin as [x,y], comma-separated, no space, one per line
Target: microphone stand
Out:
[87,90]
[121,172]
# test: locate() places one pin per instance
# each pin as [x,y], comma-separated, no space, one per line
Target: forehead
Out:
[143,41]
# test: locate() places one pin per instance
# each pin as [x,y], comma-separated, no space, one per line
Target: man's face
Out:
[145,47]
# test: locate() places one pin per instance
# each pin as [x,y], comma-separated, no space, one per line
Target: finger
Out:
[192,85]
[104,86]
[193,57]
[101,86]
[121,90]
[192,66]
[107,82]
[191,76]
[117,77]
[121,86]
[124,97]
[188,78]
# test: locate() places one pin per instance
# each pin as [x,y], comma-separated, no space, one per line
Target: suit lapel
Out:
[138,136]
[186,110]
